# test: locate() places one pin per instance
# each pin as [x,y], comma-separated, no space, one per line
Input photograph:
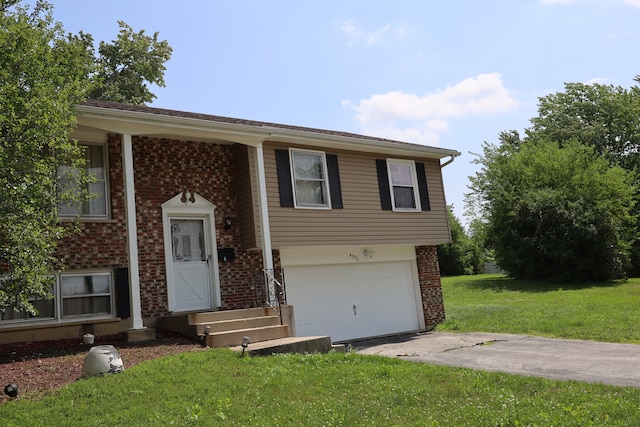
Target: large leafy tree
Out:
[125,65]
[554,212]
[43,74]
[604,117]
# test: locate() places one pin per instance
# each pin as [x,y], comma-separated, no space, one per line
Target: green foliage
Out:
[604,117]
[587,311]
[43,74]
[125,64]
[217,387]
[464,255]
[558,213]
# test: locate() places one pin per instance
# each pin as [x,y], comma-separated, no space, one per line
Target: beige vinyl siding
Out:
[248,220]
[362,220]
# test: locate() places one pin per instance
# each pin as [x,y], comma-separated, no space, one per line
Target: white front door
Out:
[190,262]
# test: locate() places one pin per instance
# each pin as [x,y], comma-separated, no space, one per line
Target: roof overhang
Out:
[122,121]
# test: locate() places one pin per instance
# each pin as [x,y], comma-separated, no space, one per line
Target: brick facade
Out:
[101,244]
[164,168]
[430,286]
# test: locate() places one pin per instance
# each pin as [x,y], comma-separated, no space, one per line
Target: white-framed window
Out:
[46,311]
[309,179]
[75,296]
[404,185]
[86,295]
[97,205]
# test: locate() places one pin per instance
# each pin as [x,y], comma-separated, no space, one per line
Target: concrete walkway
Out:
[596,362]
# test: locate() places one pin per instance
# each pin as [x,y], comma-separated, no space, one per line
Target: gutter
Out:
[448,162]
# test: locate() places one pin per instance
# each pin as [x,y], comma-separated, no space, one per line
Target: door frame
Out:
[190,205]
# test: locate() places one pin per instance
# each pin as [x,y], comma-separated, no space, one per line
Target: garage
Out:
[350,294]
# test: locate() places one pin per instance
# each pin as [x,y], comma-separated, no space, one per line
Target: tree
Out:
[463,255]
[554,212]
[125,64]
[43,74]
[604,117]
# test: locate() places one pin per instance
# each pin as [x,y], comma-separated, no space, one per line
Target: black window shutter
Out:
[422,187]
[284,178]
[123,306]
[383,184]
[334,181]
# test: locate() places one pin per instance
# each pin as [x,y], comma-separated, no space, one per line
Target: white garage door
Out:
[353,301]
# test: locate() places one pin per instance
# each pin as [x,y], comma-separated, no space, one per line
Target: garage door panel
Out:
[324,298]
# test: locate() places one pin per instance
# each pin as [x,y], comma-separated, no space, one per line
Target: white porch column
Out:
[132,233]
[267,256]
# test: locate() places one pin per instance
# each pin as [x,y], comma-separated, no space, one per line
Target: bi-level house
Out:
[191,210]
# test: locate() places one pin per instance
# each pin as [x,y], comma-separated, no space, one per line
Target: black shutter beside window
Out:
[334,181]
[283,168]
[422,187]
[383,184]
[123,306]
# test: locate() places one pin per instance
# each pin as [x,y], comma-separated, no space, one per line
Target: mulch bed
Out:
[40,367]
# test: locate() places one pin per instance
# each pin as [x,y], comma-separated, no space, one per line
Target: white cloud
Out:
[557,1]
[357,35]
[422,118]
[633,3]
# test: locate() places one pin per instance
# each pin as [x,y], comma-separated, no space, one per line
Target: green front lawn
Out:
[218,387]
[494,303]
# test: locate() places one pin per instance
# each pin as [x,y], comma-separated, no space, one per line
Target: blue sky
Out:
[450,74]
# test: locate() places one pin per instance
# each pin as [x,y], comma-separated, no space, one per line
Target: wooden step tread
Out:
[240,319]
[247,330]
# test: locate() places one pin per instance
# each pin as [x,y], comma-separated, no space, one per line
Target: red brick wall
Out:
[101,244]
[162,169]
[430,286]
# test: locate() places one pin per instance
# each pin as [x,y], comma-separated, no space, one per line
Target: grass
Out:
[493,303]
[218,387]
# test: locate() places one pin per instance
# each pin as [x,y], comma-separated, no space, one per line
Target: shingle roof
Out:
[244,122]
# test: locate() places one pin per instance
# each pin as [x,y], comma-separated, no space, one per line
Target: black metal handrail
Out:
[270,289]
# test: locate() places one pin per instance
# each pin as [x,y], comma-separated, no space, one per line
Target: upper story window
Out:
[96,206]
[403,185]
[309,179]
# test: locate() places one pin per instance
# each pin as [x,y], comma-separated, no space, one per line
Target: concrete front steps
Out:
[262,325]
[227,328]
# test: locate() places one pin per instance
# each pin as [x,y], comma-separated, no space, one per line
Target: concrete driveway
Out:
[596,362]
